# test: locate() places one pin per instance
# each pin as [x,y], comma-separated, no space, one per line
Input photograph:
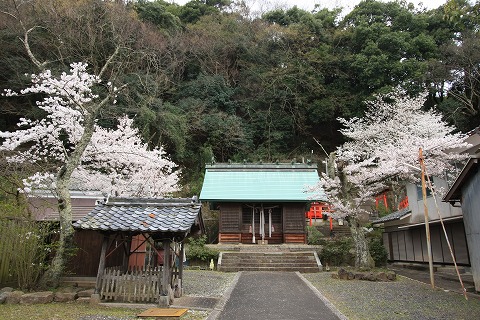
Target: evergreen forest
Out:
[211,81]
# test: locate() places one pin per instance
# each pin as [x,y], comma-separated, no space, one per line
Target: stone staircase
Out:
[302,261]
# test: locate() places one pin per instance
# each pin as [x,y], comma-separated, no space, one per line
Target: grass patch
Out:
[75,311]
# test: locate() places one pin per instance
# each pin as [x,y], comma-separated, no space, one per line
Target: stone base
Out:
[163,301]
[95,299]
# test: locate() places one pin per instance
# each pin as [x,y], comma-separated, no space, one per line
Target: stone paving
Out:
[274,296]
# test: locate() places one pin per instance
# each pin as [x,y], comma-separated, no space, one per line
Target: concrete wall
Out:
[416,204]
[471,218]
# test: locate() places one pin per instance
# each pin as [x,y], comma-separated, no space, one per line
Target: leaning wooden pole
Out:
[447,240]
[425,211]
[101,264]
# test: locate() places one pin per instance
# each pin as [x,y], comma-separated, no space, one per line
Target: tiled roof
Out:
[261,182]
[397,215]
[142,215]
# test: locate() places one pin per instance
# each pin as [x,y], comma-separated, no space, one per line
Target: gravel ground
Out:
[357,300]
[199,283]
[401,299]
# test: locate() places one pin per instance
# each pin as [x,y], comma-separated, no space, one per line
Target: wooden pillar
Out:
[126,252]
[166,268]
[179,285]
[101,264]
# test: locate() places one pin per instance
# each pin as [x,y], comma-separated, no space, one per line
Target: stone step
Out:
[278,261]
[236,258]
[269,268]
[269,254]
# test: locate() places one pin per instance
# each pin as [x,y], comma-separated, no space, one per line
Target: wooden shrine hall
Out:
[162,223]
[261,203]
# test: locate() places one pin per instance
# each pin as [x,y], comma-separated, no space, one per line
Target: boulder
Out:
[37,297]
[370,277]
[6,289]
[359,276]
[64,296]
[342,274]
[86,293]
[83,300]
[391,276]
[13,297]
[382,276]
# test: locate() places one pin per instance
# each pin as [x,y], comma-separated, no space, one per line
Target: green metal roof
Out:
[272,182]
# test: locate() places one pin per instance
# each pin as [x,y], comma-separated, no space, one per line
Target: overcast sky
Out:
[265,5]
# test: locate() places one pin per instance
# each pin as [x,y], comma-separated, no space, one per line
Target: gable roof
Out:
[142,215]
[454,194]
[260,182]
[397,215]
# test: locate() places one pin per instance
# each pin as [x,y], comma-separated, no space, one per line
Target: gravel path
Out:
[402,299]
[357,300]
[199,283]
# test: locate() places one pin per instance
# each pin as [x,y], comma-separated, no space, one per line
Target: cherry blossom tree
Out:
[83,154]
[383,146]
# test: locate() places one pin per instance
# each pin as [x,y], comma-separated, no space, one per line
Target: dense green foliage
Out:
[338,252]
[197,251]
[314,236]
[377,251]
[210,82]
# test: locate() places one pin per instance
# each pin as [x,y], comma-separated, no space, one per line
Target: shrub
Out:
[314,237]
[23,250]
[378,251]
[338,252]
[196,250]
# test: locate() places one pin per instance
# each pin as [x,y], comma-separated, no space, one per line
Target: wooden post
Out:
[179,286]
[101,264]
[427,225]
[126,252]
[166,268]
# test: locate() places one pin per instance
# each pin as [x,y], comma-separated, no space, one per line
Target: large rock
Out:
[369,276]
[6,289]
[65,296]
[86,293]
[3,294]
[13,297]
[37,297]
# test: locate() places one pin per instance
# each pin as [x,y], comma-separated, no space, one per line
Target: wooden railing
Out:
[137,285]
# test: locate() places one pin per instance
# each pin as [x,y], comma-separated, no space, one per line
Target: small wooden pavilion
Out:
[261,203]
[162,223]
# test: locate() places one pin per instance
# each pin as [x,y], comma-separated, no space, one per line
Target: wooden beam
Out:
[101,264]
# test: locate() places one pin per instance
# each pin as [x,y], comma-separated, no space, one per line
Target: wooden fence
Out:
[137,285]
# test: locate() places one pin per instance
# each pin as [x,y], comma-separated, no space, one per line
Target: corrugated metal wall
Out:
[409,245]
[471,216]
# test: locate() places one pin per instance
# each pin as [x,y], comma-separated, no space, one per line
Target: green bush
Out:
[196,250]
[314,237]
[23,251]
[378,251]
[338,252]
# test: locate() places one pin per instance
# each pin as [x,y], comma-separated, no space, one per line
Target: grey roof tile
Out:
[397,215]
[158,216]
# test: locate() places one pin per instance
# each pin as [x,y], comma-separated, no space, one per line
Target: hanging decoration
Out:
[253,225]
[270,223]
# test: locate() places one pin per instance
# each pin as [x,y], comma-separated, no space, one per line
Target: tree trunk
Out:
[363,259]
[64,246]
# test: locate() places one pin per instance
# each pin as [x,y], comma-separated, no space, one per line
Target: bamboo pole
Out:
[446,238]
[425,211]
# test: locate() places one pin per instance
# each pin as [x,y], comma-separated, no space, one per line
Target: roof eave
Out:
[454,194]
